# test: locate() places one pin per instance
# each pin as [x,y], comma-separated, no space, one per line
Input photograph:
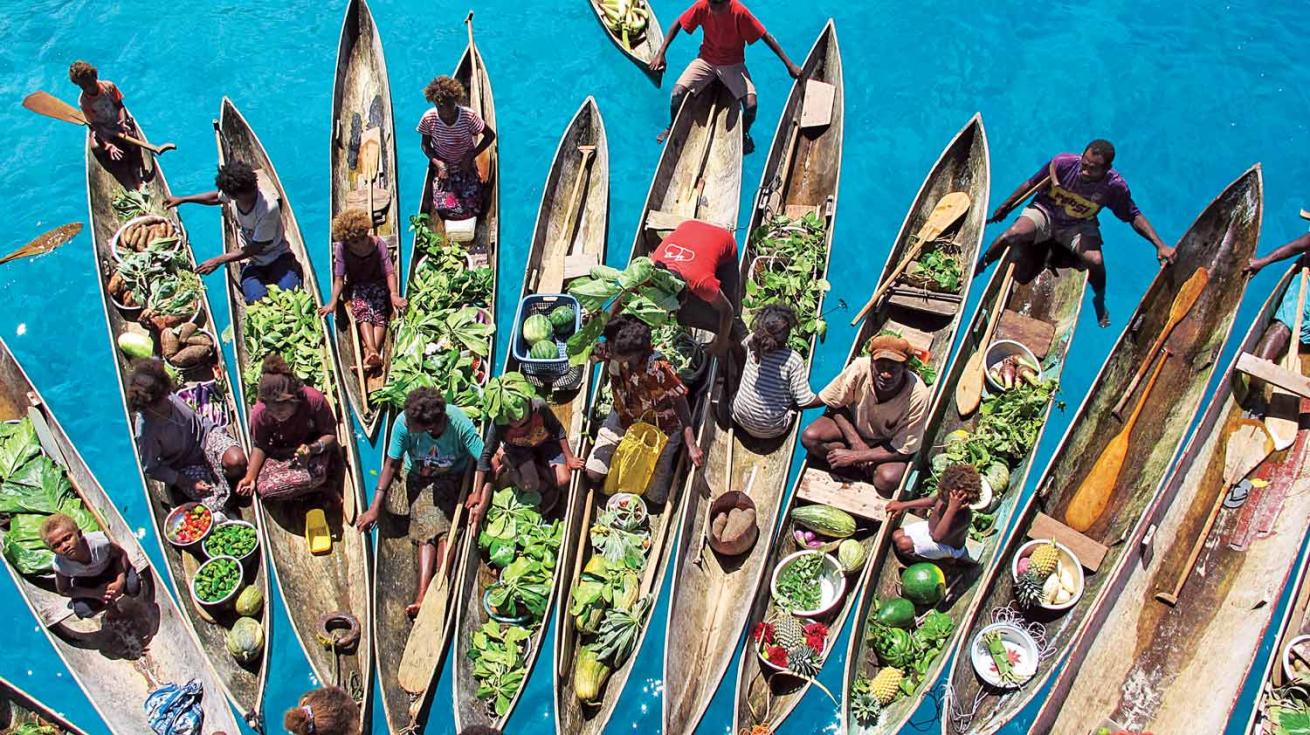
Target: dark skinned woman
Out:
[293,434]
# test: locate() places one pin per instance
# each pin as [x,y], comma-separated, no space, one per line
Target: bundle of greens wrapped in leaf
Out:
[641,290]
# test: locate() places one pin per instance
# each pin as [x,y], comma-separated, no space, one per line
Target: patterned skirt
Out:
[458,195]
[370,303]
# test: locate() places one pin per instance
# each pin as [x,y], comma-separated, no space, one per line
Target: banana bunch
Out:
[626,18]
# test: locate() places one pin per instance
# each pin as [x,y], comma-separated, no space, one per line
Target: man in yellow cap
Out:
[875,418]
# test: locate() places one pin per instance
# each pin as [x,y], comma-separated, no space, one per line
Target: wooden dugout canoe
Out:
[802,171]
[396,554]
[1163,654]
[361,104]
[1053,296]
[698,176]
[964,165]
[126,652]
[564,224]
[311,586]
[18,708]
[1221,239]
[244,684]
[643,52]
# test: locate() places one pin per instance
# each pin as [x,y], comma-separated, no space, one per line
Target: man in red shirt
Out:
[102,103]
[728,26]
[704,256]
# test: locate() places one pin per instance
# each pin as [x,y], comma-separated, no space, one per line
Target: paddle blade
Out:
[1093,495]
[370,144]
[1247,447]
[426,639]
[44,103]
[46,242]
[948,210]
[1189,293]
[968,392]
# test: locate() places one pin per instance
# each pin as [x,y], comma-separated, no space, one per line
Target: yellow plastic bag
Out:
[634,460]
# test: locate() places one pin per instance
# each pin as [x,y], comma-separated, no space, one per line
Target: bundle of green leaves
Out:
[499,665]
[938,267]
[132,203]
[160,278]
[642,290]
[797,250]
[514,526]
[508,397]
[285,322]
[911,651]
[33,487]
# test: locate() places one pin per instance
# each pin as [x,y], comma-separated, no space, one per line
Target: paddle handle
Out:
[1032,191]
[704,158]
[1150,385]
[565,663]
[890,279]
[1186,572]
[574,208]
[969,388]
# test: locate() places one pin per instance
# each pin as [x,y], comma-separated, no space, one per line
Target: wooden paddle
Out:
[1284,411]
[425,643]
[1248,445]
[968,391]
[948,210]
[45,242]
[44,103]
[1091,498]
[704,159]
[565,623]
[1184,300]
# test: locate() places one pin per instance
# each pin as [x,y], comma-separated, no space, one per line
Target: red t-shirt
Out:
[102,108]
[726,33]
[314,418]
[695,251]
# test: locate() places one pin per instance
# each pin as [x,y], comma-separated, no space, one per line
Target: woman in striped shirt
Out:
[453,136]
[775,382]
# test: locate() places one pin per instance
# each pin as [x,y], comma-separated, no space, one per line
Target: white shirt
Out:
[262,224]
[101,555]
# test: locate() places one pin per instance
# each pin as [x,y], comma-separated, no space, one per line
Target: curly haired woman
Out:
[361,262]
[944,534]
[451,142]
[326,711]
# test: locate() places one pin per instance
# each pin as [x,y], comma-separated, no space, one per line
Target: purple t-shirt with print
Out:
[1076,200]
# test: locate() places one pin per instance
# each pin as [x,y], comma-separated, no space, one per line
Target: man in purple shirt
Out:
[1071,190]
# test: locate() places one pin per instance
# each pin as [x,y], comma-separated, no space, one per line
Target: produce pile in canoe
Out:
[790,251]
[34,489]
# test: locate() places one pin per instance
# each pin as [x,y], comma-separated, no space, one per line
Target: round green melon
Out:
[897,612]
[246,640]
[562,319]
[923,584]
[545,349]
[250,602]
[537,328]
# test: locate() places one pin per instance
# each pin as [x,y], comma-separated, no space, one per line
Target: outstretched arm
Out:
[1298,246]
[772,43]
[1143,227]
[657,63]
[208,198]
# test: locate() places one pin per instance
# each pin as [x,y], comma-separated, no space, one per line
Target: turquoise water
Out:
[1191,93]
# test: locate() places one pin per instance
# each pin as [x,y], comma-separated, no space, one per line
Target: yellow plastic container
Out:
[317,533]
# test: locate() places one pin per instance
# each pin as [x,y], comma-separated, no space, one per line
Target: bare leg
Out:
[1096,278]
[675,102]
[887,477]
[848,432]
[748,111]
[822,436]
[903,545]
[369,336]
[1019,235]
[428,554]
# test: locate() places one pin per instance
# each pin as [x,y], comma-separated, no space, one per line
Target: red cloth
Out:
[313,419]
[695,251]
[726,32]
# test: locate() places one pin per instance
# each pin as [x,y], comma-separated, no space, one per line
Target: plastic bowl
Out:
[174,520]
[832,583]
[236,589]
[1001,349]
[1067,556]
[618,499]
[1289,673]
[1016,639]
[146,219]
[233,522]
[491,612]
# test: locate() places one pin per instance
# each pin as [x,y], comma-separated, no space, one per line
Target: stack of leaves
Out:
[641,290]
[132,203]
[285,323]
[159,278]
[508,398]
[797,252]
[33,487]
[938,268]
[498,663]
[442,340]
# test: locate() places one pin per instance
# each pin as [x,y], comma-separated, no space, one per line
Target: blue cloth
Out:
[176,710]
[1287,309]
[255,279]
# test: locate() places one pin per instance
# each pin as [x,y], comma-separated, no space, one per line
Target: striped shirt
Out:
[771,389]
[452,142]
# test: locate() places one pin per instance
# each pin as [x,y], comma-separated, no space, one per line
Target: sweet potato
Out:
[186,331]
[169,343]
[199,339]
[739,523]
[192,356]
[116,286]
[718,524]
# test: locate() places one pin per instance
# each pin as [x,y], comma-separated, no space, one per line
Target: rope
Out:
[1009,614]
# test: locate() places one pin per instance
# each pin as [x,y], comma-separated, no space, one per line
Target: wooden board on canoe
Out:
[396,553]
[765,697]
[122,654]
[802,169]
[363,156]
[1221,239]
[698,176]
[311,586]
[1230,595]
[572,222]
[1048,291]
[243,684]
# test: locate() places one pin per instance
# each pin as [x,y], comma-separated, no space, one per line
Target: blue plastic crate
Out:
[543,304]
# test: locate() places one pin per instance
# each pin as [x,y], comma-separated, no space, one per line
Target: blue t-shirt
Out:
[447,453]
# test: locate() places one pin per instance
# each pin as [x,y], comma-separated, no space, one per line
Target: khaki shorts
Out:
[1070,238]
[699,73]
[607,440]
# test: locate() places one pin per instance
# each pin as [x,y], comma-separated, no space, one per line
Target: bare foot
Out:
[1102,314]
[748,145]
[412,609]
[372,361]
[663,136]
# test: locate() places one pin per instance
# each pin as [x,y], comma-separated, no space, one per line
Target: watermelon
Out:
[923,584]
[545,349]
[537,328]
[897,612]
[562,318]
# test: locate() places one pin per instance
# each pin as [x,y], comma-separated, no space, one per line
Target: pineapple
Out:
[1028,590]
[866,709]
[789,632]
[1044,559]
[887,685]
[803,661]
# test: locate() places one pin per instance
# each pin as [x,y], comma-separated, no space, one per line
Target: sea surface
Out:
[1191,93]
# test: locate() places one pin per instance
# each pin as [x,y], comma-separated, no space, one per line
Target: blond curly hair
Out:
[81,72]
[351,224]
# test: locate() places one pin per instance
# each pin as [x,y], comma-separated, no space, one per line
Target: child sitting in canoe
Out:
[361,262]
[293,437]
[325,711]
[528,447]
[774,383]
[944,534]
[89,568]
[102,104]
[453,137]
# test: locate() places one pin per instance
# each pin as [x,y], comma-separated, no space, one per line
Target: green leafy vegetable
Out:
[795,252]
[132,203]
[647,293]
[285,322]
[938,268]
[798,584]
[160,278]
[498,663]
